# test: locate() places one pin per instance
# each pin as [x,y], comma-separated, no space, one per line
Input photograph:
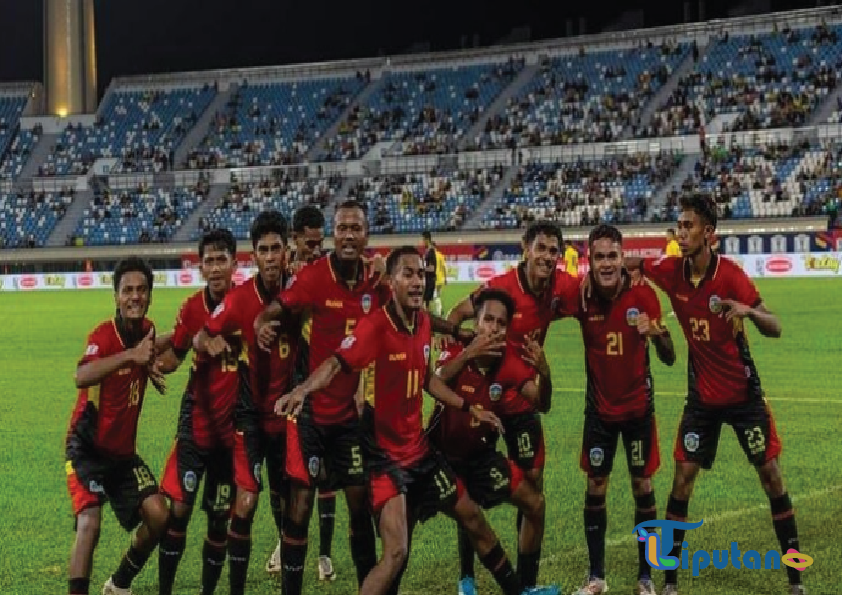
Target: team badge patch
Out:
[366,303]
[597,456]
[715,304]
[427,353]
[313,466]
[190,481]
[691,442]
[495,392]
[632,315]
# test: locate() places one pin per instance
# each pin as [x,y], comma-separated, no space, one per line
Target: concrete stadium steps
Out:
[216,194]
[200,130]
[65,228]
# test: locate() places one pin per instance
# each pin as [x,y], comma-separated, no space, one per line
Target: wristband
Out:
[466,407]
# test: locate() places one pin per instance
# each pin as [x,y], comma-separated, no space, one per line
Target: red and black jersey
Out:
[619,382]
[207,408]
[397,361]
[106,415]
[270,372]
[456,433]
[533,315]
[334,309]
[721,371]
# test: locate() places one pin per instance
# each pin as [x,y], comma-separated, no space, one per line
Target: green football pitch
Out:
[45,335]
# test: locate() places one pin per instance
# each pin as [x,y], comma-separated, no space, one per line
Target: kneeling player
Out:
[481,374]
[617,324]
[205,435]
[408,481]
[102,460]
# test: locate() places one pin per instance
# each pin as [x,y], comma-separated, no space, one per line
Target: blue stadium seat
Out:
[28,218]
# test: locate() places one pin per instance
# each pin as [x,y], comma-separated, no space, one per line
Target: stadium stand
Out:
[412,203]
[18,152]
[772,80]
[27,218]
[583,193]
[428,111]
[584,98]
[139,128]
[11,108]
[274,124]
[138,216]
[245,199]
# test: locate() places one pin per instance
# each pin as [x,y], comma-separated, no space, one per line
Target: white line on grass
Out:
[683,394]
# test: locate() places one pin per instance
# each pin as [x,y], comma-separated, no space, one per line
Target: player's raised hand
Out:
[377,263]
[486,417]
[144,352]
[157,378]
[464,335]
[266,335]
[533,353]
[645,326]
[487,345]
[637,278]
[216,346]
[734,309]
[290,404]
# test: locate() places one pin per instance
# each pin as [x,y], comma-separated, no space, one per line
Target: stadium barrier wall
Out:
[826,264]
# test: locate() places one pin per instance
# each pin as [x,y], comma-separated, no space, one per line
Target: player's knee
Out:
[470,516]
[180,510]
[641,486]
[357,500]
[598,485]
[685,478]
[88,524]
[395,554]
[301,504]
[245,504]
[771,478]
[217,528]
[535,477]
[155,513]
[535,507]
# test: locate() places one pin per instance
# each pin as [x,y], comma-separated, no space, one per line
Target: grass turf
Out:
[45,334]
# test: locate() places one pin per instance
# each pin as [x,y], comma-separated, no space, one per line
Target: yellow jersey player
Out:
[441,280]
[673,250]
[571,259]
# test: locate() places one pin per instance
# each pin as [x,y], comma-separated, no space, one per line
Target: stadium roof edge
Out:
[17,88]
[795,18]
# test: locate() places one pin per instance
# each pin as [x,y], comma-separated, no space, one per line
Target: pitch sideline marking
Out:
[684,394]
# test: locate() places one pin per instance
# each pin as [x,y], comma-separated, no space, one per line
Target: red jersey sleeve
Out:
[566,292]
[361,348]
[662,271]
[100,344]
[514,372]
[182,339]
[651,304]
[744,289]
[225,320]
[301,291]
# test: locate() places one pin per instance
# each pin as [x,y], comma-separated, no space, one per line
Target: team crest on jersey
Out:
[597,456]
[190,481]
[347,342]
[715,304]
[313,466]
[495,392]
[631,317]
[691,442]
[427,352]
[366,303]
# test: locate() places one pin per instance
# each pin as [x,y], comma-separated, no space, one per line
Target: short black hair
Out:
[605,231]
[352,204]
[220,239]
[308,216]
[132,265]
[268,222]
[671,231]
[426,235]
[489,294]
[547,228]
[395,256]
[703,205]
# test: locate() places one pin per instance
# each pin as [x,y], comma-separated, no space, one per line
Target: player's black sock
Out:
[133,561]
[596,524]
[213,559]
[239,552]
[783,517]
[363,545]
[79,585]
[293,553]
[466,553]
[676,510]
[170,551]
[645,510]
[527,568]
[327,521]
[276,504]
[519,522]
[501,568]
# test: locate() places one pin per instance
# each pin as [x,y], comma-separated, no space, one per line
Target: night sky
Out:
[153,36]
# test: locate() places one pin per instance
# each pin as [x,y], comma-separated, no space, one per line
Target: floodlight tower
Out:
[70,57]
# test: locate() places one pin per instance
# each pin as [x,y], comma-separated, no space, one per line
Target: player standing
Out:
[408,481]
[205,434]
[571,259]
[673,249]
[259,435]
[617,325]
[541,294]
[481,374]
[430,269]
[712,296]
[101,446]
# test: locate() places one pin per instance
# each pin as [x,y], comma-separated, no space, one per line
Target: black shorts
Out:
[429,289]
[251,448]
[700,428]
[490,478]
[430,486]
[640,441]
[93,479]
[326,456]
[185,468]
[524,438]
